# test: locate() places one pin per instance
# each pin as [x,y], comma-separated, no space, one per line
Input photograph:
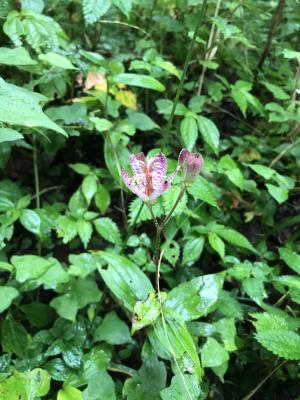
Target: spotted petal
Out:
[137,163]
[133,185]
[158,168]
[164,186]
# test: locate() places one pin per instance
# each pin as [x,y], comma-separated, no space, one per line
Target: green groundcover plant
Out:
[149,199]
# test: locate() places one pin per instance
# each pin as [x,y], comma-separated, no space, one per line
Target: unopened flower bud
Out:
[190,163]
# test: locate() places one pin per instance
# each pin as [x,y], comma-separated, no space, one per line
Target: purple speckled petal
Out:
[158,168]
[137,163]
[164,186]
[133,185]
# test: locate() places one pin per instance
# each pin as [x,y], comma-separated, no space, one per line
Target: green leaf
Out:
[278,193]
[192,250]
[281,342]
[9,135]
[209,132]
[66,229]
[89,187]
[66,306]
[182,387]
[31,221]
[102,199]
[227,330]
[84,230]
[29,267]
[291,258]
[201,189]
[213,354]
[25,385]
[254,287]
[7,295]
[195,298]
[263,171]
[19,106]
[145,312]
[126,281]
[276,91]
[16,56]
[229,167]
[144,81]
[189,132]
[15,338]
[141,121]
[113,330]
[169,199]
[176,340]
[217,244]
[69,393]
[108,229]
[124,6]
[57,60]
[82,169]
[145,214]
[148,381]
[233,237]
[94,9]
[101,124]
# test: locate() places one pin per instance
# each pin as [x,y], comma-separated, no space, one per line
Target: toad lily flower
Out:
[191,163]
[149,178]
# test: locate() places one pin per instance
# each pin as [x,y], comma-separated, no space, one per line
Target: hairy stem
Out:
[183,75]
[167,218]
[36,183]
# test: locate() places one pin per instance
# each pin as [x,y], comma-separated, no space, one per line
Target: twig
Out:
[46,190]
[210,50]
[252,393]
[183,75]
[274,23]
[280,155]
[105,21]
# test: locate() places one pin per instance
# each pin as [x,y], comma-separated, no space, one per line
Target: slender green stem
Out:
[36,174]
[167,218]
[36,184]
[157,250]
[152,214]
[183,75]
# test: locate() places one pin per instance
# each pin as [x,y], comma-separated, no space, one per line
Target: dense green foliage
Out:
[86,83]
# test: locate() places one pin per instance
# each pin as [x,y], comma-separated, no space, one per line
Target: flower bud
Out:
[191,163]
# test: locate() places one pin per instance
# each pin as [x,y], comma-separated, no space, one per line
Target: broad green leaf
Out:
[165,106]
[108,229]
[254,287]
[227,330]
[145,312]
[195,298]
[14,337]
[19,106]
[278,193]
[126,281]
[84,230]
[102,199]
[69,393]
[30,267]
[141,121]
[229,167]
[16,56]
[189,132]
[291,54]
[66,229]
[9,135]
[209,132]
[101,124]
[144,81]
[27,385]
[86,291]
[7,295]
[147,382]
[38,314]
[184,386]
[233,237]
[79,168]
[276,90]
[203,190]
[113,330]
[56,60]
[66,306]
[89,187]
[94,9]
[281,342]
[217,243]
[176,340]
[33,5]
[31,221]
[291,258]
[213,354]
[263,171]
[124,6]
[192,250]
[291,281]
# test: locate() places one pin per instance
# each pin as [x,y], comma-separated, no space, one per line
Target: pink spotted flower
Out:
[190,163]
[149,178]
